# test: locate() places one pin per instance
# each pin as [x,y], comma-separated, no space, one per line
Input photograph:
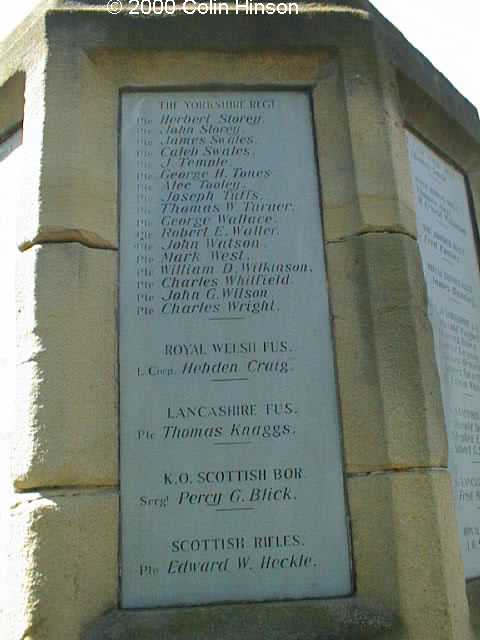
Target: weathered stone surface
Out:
[66,372]
[404,534]
[347,619]
[78,196]
[34,116]
[341,211]
[11,159]
[426,116]
[406,551]
[389,390]
[473,596]
[380,204]
[395,132]
[11,103]
[76,181]
[62,569]
[362,152]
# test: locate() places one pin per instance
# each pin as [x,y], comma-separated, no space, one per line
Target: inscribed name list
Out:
[451,270]
[231,471]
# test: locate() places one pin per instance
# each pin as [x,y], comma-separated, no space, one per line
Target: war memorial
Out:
[241,271]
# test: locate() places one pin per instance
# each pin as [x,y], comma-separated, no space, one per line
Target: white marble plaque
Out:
[231,470]
[450,265]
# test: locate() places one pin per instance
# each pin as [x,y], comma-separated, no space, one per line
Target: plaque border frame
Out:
[308,90]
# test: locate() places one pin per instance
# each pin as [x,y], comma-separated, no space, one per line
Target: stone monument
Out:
[242,259]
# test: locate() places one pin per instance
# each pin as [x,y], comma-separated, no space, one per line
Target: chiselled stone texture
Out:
[380,203]
[359,152]
[389,391]
[341,210]
[473,595]
[74,190]
[78,178]
[62,569]
[66,372]
[406,551]
[347,619]
[11,103]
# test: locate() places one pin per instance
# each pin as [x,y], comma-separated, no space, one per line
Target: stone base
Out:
[473,595]
[345,619]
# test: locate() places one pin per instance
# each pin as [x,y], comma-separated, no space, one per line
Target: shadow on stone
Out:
[346,619]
